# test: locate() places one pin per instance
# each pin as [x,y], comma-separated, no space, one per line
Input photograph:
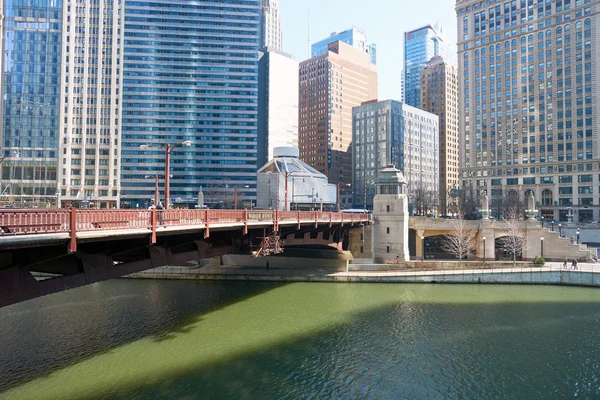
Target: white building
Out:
[271,31]
[90,141]
[307,188]
[277,103]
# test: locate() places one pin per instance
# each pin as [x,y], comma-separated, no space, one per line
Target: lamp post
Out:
[155,188]
[552,225]
[484,249]
[167,148]
[542,221]
[577,235]
[560,230]
[542,246]
[423,245]
[235,188]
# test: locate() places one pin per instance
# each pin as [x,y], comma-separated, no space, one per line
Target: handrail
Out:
[72,221]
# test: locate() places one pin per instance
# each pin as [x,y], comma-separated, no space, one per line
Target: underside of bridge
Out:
[100,260]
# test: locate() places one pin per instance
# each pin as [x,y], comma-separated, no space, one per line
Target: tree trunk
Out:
[514,259]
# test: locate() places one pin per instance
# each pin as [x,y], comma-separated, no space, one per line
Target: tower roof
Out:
[391,174]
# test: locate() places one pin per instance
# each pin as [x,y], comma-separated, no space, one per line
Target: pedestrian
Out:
[160,208]
[565,263]
[574,264]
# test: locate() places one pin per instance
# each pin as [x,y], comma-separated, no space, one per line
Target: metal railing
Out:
[27,221]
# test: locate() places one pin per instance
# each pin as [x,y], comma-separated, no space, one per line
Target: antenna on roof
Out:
[308,32]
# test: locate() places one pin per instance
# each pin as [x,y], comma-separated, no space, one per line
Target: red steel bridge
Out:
[79,247]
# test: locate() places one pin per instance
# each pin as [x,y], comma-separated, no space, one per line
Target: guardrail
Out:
[72,221]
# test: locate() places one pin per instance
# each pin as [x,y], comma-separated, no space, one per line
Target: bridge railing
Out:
[27,221]
[38,221]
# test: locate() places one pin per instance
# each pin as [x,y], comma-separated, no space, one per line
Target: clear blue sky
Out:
[385,22]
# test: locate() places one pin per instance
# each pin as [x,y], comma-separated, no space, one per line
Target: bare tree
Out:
[461,241]
[515,240]
[424,200]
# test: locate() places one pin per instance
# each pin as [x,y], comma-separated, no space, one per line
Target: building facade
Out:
[330,86]
[354,36]
[277,103]
[393,133]
[420,45]
[271,30]
[439,96]
[528,76]
[31,76]
[90,123]
[190,73]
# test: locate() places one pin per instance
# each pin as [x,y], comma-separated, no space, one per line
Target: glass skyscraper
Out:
[420,45]
[31,57]
[353,36]
[190,73]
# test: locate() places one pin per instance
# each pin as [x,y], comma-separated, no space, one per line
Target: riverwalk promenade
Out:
[587,274]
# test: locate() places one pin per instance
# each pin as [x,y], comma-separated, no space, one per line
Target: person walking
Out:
[574,264]
[565,263]
[160,208]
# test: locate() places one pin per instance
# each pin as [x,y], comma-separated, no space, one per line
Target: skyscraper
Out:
[277,103]
[330,85]
[31,60]
[439,95]
[90,123]
[420,45]
[190,74]
[271,31]
[354,36]
[528,75]
[392,133]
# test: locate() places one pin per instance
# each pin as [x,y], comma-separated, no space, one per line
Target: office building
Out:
[330,86]
[354,36]
[420,45]
[277,102]
[90,123]
[387,133]
[528,76]
[439,96]
[31,68]
[271,31]
[190,74]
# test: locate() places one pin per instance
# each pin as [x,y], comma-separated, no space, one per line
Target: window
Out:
[387,230]
[388,210]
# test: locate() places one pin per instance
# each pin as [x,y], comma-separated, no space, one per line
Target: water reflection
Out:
[215,340]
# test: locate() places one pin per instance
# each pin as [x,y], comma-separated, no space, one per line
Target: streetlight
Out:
[235,188]
[167,148]
[423,245]
[155,188]
[484,249]
[542,221]
[542,245]
[552,225]
[577,235]
[560,230]
[15,154]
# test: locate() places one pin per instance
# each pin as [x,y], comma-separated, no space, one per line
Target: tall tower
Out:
[202,87]
[439,95]
[31,68]
[90,128]
[420,45]
[529,112]
[330,85]
[271,30]
[390,217]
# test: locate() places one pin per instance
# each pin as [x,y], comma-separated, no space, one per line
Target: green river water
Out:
[150,339]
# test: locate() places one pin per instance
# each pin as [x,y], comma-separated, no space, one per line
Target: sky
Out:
[384,21]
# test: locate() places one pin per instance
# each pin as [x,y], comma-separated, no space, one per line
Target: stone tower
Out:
[390,217]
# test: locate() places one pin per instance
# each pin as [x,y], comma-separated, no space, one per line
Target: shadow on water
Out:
[53,332]
[409,350]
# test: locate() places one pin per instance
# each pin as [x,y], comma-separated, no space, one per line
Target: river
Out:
[150,339]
